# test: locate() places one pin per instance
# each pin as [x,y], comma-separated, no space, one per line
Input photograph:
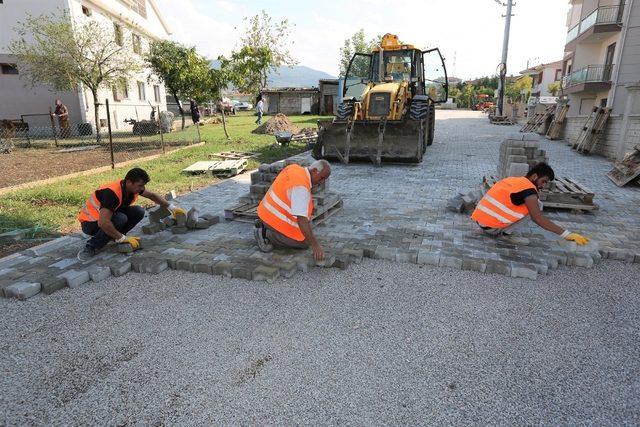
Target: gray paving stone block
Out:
[201,224]
[181,220]
[22,290]
[13,260]
[98,273]
[185,264]
[222,268]
[51,284]
[124,248]
[524,270]
[152,266]
[342,261]
[428,257]
[287,269]
[64,263]
[120,268]
[75,278]
[498,267]
[518,169]
[169,221]
[152,228]
[179,230]
[383,252]
[450,261]
[407,256]
[242,271]
[157,214]
[265,273]
[204,266]
[355,255]
[328,261]
[53,246]
[474,264]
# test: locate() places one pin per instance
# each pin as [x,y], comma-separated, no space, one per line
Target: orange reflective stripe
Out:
[275,208]
[496,210]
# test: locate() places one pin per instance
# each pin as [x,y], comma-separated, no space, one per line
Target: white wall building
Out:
[601,63]
[543,75]
[140,22]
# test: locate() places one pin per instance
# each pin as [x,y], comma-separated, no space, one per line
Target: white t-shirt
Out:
[300,198]
[260,106]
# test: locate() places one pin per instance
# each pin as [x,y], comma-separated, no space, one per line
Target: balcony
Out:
[605,19]
[592,78]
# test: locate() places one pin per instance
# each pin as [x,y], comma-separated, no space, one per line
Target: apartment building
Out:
[601,67]
[543,75]
[135,22]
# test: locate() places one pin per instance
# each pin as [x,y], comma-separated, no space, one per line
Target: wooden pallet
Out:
[500,120]
[538,119]
[248,212]
[628,169]
[232,155]
[219,168]
[555,129]
[592,130]
[561,193]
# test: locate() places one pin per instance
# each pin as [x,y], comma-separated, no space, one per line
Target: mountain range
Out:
[296,76]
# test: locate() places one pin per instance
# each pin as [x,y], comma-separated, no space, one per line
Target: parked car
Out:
[242,105]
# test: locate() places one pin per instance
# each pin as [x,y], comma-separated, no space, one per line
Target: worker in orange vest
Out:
[511,200]
[285,211]
[109,215]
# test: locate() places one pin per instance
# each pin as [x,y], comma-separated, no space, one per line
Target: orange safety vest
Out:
[496,210]
[91,210]
[275,208]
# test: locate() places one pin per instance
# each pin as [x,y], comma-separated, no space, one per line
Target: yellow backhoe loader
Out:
[388,108]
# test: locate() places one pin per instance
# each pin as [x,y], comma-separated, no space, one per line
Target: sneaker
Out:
[261,239]
[86,253]
[514,240]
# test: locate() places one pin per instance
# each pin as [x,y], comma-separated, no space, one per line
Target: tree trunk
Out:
[175,96]
[224,123]
[96,113]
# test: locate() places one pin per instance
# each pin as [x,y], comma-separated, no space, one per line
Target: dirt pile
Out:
[277,123]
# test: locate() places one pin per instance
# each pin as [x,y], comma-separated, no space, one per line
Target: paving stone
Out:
[98,273]
[185,264]
[22,290]
[201,224]
[222,268]
[51,284]
[524,271]
[407,256]
[124,248]
[450,261]
[342,261]
[152,266]
[474,264]
[498,267]
[13,260]
[156,215]
[179,230]
[204,266]
[355,255]
[65,263]
[328,261]
[120,268]
[169,221]
[287,269]
[11,273]
[181,220]
[265,273]
[152,228]
[75,278]
[53,246]
[192,218]
[242,271]
[428,258]
[387,253]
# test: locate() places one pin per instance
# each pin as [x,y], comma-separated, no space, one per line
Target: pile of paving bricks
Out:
[518,155]
[261,181]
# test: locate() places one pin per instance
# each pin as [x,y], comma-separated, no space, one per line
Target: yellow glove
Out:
[575,237]
[134,241]
[176,210]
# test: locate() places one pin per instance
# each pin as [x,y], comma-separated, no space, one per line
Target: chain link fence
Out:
[39,146]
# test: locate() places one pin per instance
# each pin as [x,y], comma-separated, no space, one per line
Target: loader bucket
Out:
[393,141]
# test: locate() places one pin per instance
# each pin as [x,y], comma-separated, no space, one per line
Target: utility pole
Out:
[502,68]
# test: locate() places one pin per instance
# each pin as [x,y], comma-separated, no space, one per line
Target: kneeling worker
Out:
[510,201]
[108,214]
[285,211]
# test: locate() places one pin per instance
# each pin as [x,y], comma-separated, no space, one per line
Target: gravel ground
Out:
[379,343]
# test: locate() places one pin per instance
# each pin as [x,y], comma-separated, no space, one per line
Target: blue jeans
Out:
[259,118]
[123,220]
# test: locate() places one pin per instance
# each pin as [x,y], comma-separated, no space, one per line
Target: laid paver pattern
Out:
[393,212]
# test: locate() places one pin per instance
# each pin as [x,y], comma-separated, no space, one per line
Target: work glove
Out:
[575,237]
[176,210]
[134,241]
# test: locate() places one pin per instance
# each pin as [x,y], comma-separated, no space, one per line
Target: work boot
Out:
[514,240]
[260,234]
[86,253]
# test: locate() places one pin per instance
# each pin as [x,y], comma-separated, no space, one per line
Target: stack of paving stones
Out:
[262,179]
[518,155]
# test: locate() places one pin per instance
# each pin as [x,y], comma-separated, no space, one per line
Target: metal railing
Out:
[588,74]
[600,16]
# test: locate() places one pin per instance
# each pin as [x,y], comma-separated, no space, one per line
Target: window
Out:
[8,69]
[139,7]
[121,91]
[142,96]
[156,93]
[137,47]
[603,102]
[117,30]
[558,75]
[86,11]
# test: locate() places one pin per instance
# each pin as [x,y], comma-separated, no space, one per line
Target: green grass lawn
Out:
[52,208]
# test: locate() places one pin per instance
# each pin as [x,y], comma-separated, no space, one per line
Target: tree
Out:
[467,96]
[554,88]
[356,44]
[185,73]
[262,34]
[520,89]
[56,51]
[248,68]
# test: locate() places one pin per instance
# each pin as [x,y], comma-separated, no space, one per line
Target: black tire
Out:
[345,110]
[431,125]
[419,109]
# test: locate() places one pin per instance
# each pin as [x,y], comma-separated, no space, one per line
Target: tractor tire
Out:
[431,125]
[345,110]
[419,109]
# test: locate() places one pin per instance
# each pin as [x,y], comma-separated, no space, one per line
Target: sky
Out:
[469,33]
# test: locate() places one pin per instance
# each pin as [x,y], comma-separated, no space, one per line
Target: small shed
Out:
[328,96]
[291,100]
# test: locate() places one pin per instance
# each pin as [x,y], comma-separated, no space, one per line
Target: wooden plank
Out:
[627,170]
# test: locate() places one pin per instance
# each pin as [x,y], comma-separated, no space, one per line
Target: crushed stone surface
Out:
[275,124]
[379,343]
